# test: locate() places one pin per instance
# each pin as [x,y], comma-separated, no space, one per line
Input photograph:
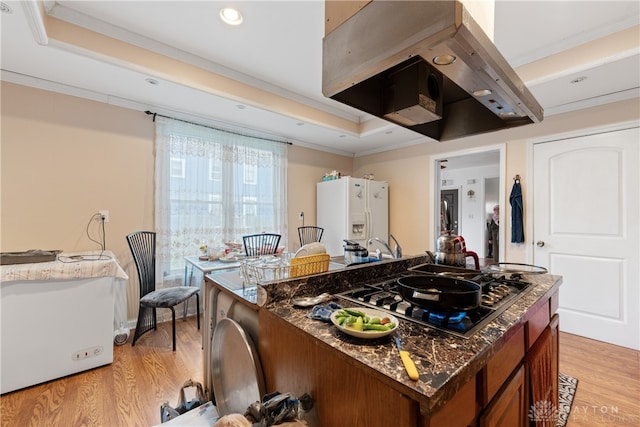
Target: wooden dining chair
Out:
[309,234]
[261,244]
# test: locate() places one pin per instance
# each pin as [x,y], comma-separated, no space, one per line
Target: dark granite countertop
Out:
[445,362]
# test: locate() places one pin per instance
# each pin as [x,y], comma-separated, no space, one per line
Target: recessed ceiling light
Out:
[579,79]
[241,107]
[342,136]
[444,59]
[482,92]
[151,81]
[231,16]
[389,132]
[300,124]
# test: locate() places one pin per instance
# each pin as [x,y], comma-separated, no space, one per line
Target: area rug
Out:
[567,392]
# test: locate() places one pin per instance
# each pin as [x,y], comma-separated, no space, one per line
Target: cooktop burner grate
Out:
[498,293]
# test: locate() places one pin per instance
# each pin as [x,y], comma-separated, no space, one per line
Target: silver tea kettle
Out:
[451,250]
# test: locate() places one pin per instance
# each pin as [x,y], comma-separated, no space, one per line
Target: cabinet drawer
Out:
[461,410]
[500,367]
[537,323]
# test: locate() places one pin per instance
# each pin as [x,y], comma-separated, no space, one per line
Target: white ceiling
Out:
[278,49]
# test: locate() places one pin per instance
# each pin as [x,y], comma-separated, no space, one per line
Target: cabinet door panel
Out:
[345,393]
[554,326]
[509,407]
[501,365]
[540,369]
[461,410]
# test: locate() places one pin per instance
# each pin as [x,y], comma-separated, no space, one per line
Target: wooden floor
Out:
[129,392]
[608,376]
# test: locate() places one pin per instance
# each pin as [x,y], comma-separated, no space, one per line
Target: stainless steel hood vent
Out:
[427,66]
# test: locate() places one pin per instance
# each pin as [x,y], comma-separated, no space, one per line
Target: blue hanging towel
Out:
[517,223]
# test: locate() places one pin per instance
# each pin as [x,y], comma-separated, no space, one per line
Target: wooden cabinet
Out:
[554,327]
[533,352]
[462,410]
[501,365]
[517,370]
[537,323]
[542,373]
[500,394]
[509,407]
[502,384]
[344,393]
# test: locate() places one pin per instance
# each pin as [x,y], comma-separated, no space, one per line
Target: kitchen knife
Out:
[409,366]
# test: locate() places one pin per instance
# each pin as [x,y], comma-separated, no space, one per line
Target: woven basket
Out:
[306,265]
[267,268]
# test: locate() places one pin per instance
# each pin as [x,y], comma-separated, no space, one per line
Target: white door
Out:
[585,219]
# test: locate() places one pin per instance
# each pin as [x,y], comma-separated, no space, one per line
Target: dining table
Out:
[206,266]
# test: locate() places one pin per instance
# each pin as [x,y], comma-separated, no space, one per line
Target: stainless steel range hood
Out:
[427,66]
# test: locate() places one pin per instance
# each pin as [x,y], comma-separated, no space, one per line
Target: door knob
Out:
[540,243]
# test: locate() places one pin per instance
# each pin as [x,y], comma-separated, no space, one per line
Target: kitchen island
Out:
[491,378]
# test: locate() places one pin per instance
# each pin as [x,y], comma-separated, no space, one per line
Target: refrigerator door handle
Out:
[366,224]
[367,210]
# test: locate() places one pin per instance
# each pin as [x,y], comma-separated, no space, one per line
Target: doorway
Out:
[449,211]
[468,180]
[491,199]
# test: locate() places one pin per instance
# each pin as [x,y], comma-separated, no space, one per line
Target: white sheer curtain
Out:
[211,187]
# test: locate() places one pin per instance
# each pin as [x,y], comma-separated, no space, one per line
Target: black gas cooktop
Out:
[498,293]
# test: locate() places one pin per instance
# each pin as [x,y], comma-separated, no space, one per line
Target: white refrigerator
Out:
[354,209]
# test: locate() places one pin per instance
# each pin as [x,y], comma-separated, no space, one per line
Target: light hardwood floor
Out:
[129,392]
[608,376]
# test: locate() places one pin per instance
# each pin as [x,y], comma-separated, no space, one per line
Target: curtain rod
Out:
[150,113]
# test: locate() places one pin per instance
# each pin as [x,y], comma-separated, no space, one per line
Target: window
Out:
[250,173]
[177,168]
[215,170]
[249,211]
[214,186]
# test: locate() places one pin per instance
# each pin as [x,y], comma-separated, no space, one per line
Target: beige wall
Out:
[64,158]
[306,167]
[406,172]
[409,171]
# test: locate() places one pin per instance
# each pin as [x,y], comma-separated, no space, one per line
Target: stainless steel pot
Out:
[450,250]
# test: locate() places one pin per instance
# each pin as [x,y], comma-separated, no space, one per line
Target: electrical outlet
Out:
[87,353]
[104,215]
